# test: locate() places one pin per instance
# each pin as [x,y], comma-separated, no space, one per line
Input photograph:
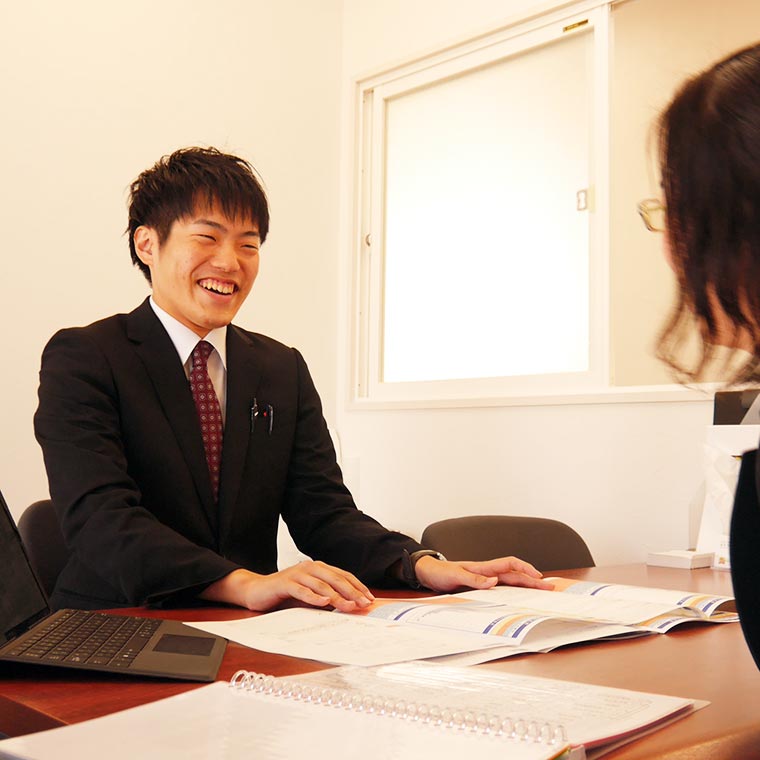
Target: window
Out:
[482,197]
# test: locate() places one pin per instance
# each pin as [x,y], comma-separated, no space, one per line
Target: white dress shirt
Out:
[185,341]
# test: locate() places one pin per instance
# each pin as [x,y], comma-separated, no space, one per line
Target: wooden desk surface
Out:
[709,662]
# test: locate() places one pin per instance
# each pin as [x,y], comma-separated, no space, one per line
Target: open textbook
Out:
[474,626]
[402,711]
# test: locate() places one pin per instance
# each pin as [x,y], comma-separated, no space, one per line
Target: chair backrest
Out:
[546,544]
[41,533]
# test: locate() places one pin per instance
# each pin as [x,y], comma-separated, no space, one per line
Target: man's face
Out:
[205,268]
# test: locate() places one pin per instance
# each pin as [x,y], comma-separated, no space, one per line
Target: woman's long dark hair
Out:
[709,139]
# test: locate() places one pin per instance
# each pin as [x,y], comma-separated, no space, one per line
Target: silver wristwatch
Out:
[409,561]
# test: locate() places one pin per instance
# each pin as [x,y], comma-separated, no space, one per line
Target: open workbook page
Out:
[474,626]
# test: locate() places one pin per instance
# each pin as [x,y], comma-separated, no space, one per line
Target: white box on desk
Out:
[687,559]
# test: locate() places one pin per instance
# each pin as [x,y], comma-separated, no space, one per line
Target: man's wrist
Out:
[230,588]
[409,563]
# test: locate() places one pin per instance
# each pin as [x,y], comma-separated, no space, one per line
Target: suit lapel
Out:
[157,353]
[243,377]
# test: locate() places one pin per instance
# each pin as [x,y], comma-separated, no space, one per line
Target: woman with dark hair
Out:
[709,141]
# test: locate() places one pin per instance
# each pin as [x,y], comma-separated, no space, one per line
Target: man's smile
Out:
[223,287]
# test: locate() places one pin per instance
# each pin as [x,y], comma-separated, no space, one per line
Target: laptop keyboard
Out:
[82,636]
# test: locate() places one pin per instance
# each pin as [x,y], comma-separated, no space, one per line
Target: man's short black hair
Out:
[189,179]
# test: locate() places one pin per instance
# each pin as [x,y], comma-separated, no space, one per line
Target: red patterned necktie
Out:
[209,411]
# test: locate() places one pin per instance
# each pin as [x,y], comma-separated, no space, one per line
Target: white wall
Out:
[625,475]
[94,92]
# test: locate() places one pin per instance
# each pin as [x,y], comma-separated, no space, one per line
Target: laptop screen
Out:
[22,601]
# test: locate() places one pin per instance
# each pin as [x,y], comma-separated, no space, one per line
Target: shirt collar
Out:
[185,340]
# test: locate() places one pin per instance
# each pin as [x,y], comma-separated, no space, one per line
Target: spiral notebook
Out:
[402,711]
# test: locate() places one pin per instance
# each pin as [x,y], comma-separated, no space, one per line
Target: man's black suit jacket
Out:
[128,475]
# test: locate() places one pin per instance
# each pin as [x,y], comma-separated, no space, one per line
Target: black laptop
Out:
[90,640]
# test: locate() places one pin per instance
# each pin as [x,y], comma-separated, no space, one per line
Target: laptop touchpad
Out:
[171,642]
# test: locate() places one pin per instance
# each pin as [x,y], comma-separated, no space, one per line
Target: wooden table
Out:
[709,662]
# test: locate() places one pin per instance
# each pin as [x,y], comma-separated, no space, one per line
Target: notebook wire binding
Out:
[513,728]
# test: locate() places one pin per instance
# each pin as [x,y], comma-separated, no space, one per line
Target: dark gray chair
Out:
[41,533]
[546,544]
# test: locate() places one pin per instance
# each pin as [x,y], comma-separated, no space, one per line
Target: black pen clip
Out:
[254,413]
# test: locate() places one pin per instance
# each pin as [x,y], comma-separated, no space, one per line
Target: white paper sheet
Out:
[724,446]
[342,639]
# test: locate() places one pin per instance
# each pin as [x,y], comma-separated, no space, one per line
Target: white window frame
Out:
[372,93]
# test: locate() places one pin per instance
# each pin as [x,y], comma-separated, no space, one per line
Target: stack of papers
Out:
[474,626]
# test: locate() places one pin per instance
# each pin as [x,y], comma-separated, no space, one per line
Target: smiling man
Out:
[174,440]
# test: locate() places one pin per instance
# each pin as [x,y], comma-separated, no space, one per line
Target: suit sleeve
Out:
[320,511]
[121,552]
